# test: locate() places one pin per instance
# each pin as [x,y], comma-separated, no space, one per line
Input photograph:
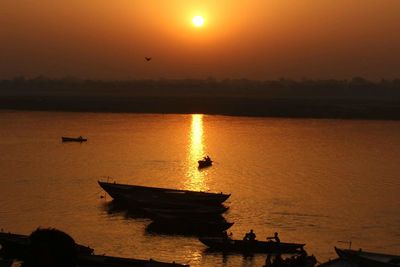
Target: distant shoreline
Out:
[251,107]
[338,99]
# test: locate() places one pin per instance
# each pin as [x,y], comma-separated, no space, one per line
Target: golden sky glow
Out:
[256,39]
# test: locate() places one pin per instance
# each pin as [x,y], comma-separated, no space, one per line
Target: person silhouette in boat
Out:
[250,236]
[275,237]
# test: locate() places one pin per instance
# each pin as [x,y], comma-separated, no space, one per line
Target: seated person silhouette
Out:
[250,236]
[275,237]
[50,248]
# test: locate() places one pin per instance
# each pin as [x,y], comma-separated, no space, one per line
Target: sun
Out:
[198,21]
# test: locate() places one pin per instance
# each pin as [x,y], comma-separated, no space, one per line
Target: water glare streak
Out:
[196,152]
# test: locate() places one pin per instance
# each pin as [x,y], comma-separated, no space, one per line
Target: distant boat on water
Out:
[205,162]
[73,139]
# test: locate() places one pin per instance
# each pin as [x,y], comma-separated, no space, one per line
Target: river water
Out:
[313,181]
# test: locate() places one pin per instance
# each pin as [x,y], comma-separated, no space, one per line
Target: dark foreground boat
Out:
[73,139]
[245,246]
[15,246]
[109,261]
[368,259]
[300,260]
[124,192]
[338,262]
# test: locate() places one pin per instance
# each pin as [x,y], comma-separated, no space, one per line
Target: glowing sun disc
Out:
[198,21]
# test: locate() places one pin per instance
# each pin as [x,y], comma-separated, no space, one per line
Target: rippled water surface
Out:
[313,181]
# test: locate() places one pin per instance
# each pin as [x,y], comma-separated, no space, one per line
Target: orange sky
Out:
[259,39]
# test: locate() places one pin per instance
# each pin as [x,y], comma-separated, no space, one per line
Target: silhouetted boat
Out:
[245,246]
[199,211]
[153,195]
[16,246]
[188,227]
[338,262]
[73,139]
[368,259]
[300,260]
[110,261]
[6,262]
[205,162]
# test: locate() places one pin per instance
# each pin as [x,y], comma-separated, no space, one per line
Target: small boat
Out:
[73,139]
[110,261]
[246,246]
[132,193]
[368,259]
[205,162]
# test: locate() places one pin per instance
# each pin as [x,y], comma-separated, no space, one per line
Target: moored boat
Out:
[338,262]
[73,139]
[188,227]
[368,259]
[110,261]
[193,212]
[16,246]
[139,193]
[246,246]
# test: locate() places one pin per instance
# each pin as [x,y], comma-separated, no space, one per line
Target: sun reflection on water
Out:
[196,152]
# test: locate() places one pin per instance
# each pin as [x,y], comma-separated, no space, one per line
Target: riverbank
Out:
[234,106]
[353,99]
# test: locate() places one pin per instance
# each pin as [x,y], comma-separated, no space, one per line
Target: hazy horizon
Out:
[258,40]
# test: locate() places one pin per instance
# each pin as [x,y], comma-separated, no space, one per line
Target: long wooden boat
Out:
[110,261]
[142,203]
[73,139]
[188,227]
[193,211]
[126,192]
[368,259]
[245,246]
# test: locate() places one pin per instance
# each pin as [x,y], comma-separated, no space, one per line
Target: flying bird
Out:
[148,58]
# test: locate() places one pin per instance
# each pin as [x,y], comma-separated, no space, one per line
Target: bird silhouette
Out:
[148,58]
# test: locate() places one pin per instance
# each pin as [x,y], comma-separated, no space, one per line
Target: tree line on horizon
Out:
[356,87]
